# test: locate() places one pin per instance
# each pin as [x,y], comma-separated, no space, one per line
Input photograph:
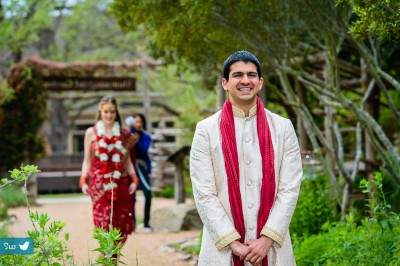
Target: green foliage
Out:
[204,33]
[3,233]
[83,30]
[386,116]
[110,245]
[21,119]
[22,21]
[3,211]
[188,249]
[6,93]
[186,177]
[12,196]
[88,33]
[198,246]
[314,208]
[375,17]
[170,24]
[168,192]
[373,242]
[185,92]
[376,202]
[50,247]
[17,175]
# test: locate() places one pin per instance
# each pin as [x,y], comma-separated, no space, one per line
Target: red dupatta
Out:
[229,149]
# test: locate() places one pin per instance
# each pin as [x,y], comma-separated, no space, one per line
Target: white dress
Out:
[210,187]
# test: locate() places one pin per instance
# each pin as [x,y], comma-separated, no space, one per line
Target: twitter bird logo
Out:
[24,246]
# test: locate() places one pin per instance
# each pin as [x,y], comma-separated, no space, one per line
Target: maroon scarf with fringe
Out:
[229,149]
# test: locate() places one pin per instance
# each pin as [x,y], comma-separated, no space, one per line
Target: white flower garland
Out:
[115,157]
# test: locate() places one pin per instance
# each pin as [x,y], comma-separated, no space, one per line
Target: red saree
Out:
[122,208]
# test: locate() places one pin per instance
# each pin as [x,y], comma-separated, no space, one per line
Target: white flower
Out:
[118,145]
[116,174]
[103,157]
[101,131]
[116,130]
[109,186]
[102,143]
[116,158]
[110,147]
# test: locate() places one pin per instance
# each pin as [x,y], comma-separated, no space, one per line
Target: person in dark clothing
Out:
[141,160]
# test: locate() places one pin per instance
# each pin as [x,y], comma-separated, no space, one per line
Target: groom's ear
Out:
[223,82]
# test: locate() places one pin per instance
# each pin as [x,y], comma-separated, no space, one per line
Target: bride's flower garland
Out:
[110,152]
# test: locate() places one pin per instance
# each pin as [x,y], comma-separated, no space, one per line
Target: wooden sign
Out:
[89,84]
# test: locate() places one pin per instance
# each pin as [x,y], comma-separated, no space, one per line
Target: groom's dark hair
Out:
[244,56]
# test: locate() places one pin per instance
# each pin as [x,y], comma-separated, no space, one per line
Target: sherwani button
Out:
[249,183]
[248,162]
[250,205]
[247,140]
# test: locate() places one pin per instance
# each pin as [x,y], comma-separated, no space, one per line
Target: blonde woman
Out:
[108,168]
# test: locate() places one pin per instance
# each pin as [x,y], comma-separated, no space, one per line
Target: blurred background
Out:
[329,66]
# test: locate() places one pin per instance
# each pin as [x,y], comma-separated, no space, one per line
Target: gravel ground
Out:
[145,249]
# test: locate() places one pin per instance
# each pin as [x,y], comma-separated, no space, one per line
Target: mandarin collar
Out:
[240,113]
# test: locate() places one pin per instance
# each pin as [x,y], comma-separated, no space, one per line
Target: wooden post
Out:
[146,100]
[177,159]
[179,182]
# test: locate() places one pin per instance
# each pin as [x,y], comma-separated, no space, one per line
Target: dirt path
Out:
[145,249]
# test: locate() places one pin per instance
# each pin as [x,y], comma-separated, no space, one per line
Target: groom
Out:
[246,170]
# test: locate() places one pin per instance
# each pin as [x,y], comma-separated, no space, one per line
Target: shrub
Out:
[22,116]
[373,242]
[314,208]
[49,247]
[168,192]
[12,196]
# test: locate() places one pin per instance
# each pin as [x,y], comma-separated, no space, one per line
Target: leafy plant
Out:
[373,242]
[110,246]
[49,247]
[21,118]
[376,18]
[6,93]
[315,207]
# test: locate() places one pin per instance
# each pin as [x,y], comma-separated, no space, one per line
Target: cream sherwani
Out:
[210,186]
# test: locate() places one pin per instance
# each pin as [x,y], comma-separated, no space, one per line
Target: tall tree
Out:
[375,18]
[21,22]
[303,45]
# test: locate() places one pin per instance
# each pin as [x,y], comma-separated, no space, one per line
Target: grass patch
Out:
[12,196]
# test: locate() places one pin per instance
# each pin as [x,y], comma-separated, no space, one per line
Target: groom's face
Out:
[243,84]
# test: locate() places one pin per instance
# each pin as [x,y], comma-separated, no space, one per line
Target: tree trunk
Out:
[371,106]
[301,131]
[220,94]
[58,127]
[179,182]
